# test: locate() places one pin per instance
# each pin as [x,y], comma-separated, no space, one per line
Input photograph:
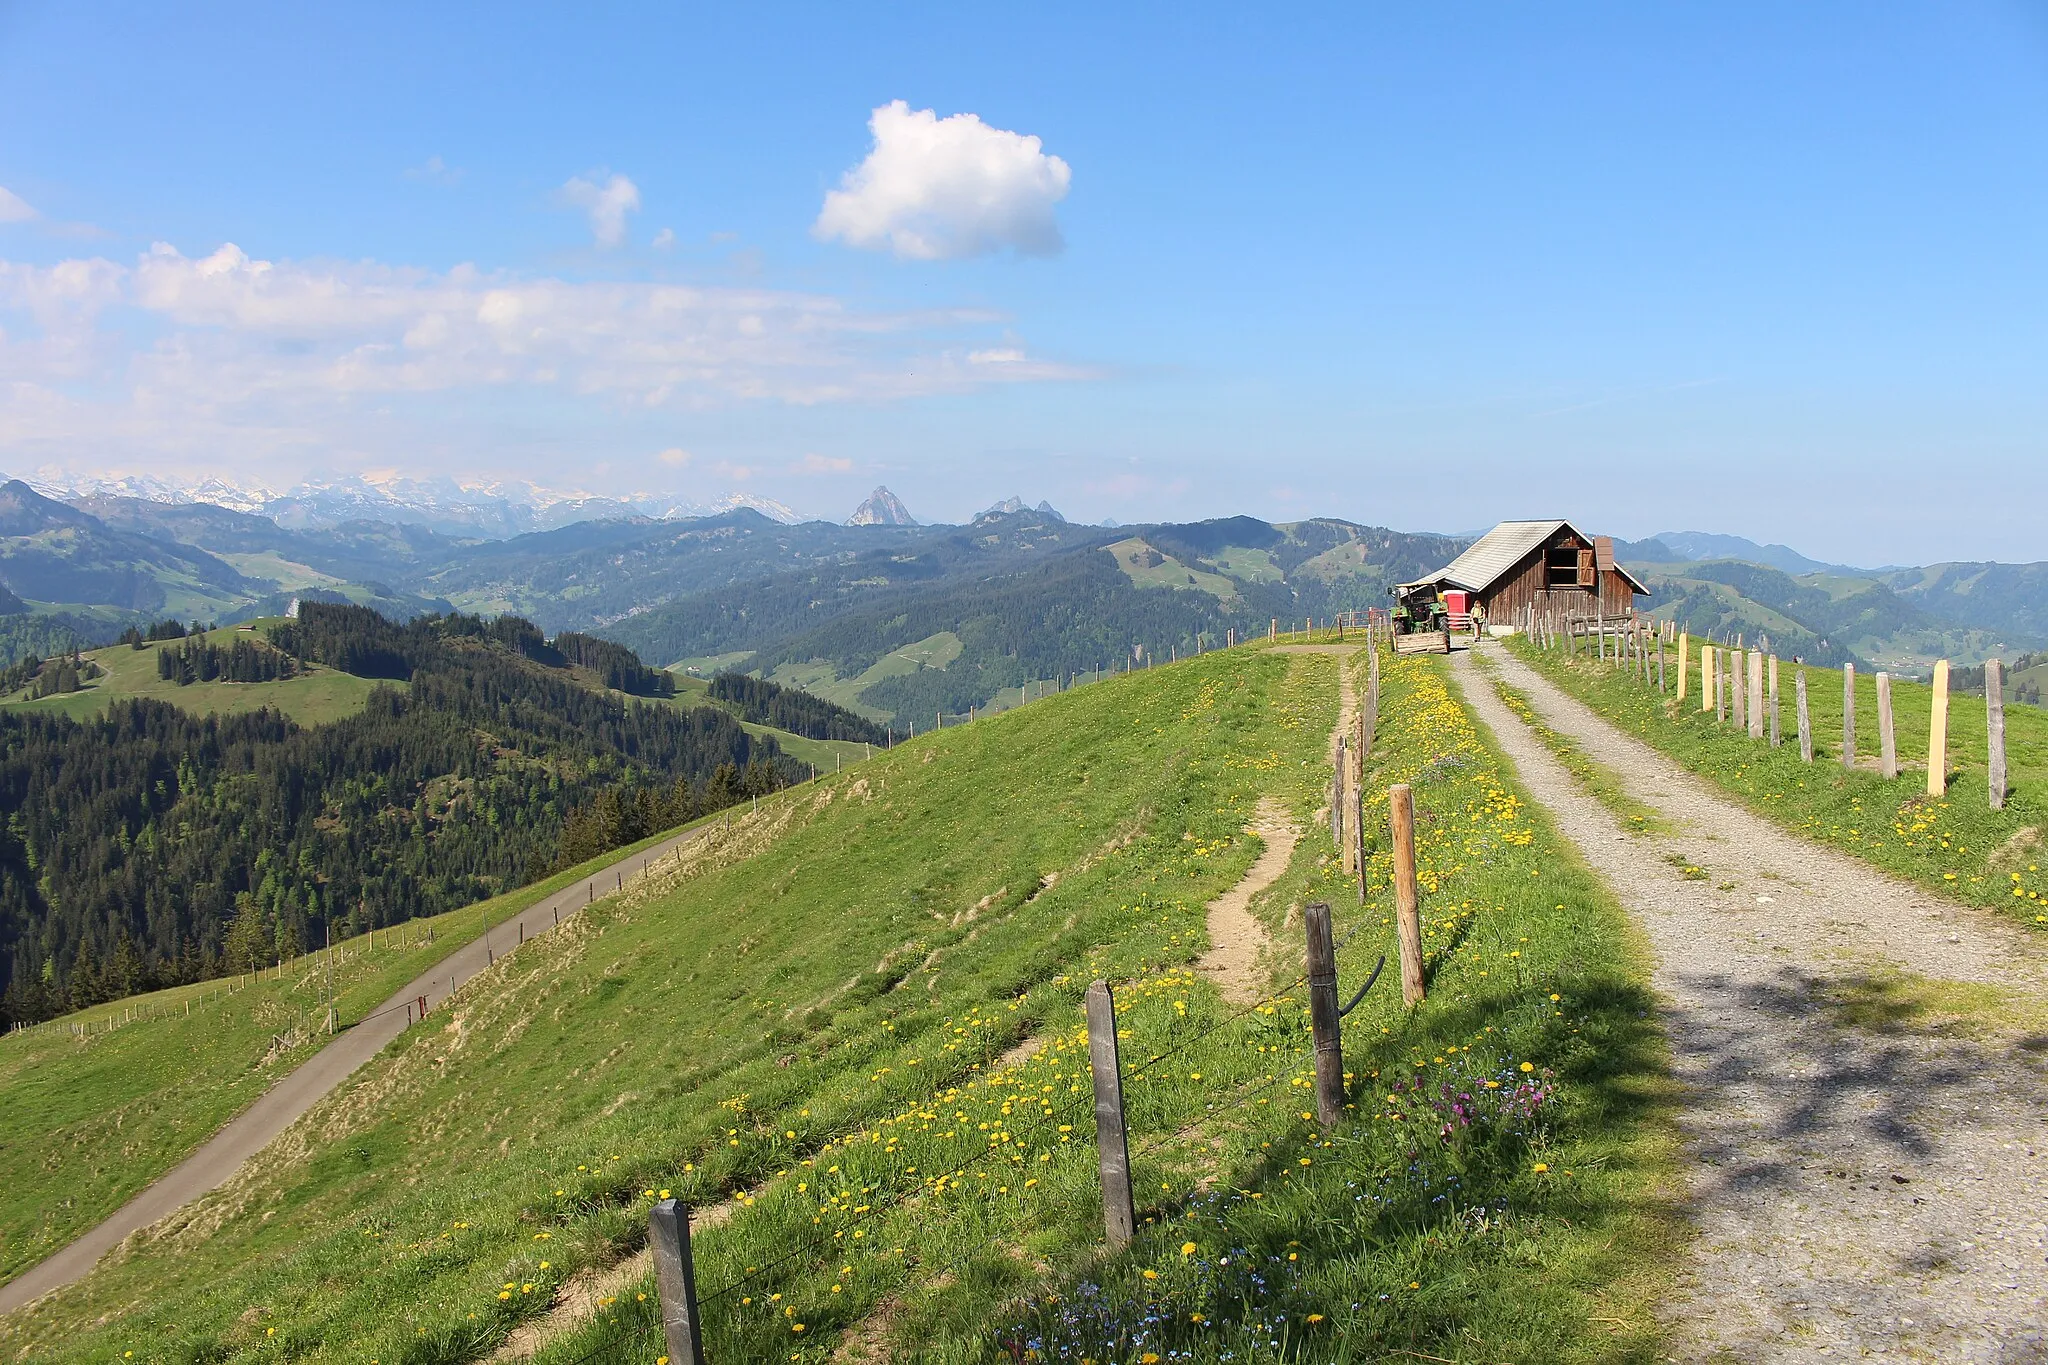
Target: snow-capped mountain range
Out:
[495,508]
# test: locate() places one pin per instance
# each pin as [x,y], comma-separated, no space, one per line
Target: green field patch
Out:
[1249,565]
[1149,567]
[318,695]
[273,567]
[817,676]
[704,665]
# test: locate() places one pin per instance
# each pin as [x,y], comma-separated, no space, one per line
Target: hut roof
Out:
[1500,549]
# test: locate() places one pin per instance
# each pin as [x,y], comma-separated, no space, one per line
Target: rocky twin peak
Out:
[882,508]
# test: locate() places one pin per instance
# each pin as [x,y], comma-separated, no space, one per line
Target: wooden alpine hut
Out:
[1548,569]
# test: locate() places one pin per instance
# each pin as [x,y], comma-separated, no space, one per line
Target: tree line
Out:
[793,709]
[244,661]
[146,846]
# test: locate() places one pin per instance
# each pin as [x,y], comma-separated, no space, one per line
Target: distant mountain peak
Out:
[1012,505]
[882,508]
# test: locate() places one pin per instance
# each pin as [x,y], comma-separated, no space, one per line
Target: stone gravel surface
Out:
[1868,1175]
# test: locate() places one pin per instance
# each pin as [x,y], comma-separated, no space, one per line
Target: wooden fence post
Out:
[1407,901]
[1322,1014]
[1994,729]
[1722,701]
[1776,738]
[1937,734]
[1337,801]
[675,1281]
[1345,861]
[1805,718]
[1358,824]
[1738,690]
[1660,661]
[1112,1147]
[1887,742]
[1849,715]
[1707,675]
[1684,643]
[1756,695]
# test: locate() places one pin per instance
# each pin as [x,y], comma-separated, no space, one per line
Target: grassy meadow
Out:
[319,694]
[1954,844]
[855,1029]
[101,1102]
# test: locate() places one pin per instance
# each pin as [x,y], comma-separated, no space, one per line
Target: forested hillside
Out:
[148,846]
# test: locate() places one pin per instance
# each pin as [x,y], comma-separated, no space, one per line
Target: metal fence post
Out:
[1112,1146]
[1323,1019]
[675,1281]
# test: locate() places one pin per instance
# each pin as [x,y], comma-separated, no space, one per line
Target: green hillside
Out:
[818,1024]
[159,839]
[318,695]
[91,1119]
[902,639]
[1828,618]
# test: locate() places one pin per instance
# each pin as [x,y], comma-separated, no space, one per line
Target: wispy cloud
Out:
[15,209]
[607,204]
[252,357]
[434,171]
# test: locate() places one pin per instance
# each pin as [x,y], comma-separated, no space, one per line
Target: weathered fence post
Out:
[1776,738]
[1337,801]
[1358,824]
[1322,1014]
[1112,1147]
[1407,901]
[1756,695]
[1887,742]
[1937,733]
[1805,719]
[1738,699]
[1684,643]
[1849,715]
[675,1281]
[1722,701]
[1994,729]
[1345,859]
[1660,661]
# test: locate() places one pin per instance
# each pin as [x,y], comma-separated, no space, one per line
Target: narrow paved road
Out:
[1867,1180]
[279,1106]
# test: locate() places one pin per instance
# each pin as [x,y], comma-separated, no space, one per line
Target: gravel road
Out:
[1868,1176]
[277,1108]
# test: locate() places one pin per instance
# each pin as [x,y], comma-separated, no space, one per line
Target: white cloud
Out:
[434,171]
[607,204]
[664,239]
[675,457]
[15,209]
[248,361]
[821,464]
[945,188]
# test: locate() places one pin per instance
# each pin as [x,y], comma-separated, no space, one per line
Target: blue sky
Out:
[1764,269]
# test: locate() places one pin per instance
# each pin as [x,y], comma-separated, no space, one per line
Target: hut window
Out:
[1561,567]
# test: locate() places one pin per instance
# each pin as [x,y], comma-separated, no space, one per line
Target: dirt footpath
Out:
[1866,1069]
